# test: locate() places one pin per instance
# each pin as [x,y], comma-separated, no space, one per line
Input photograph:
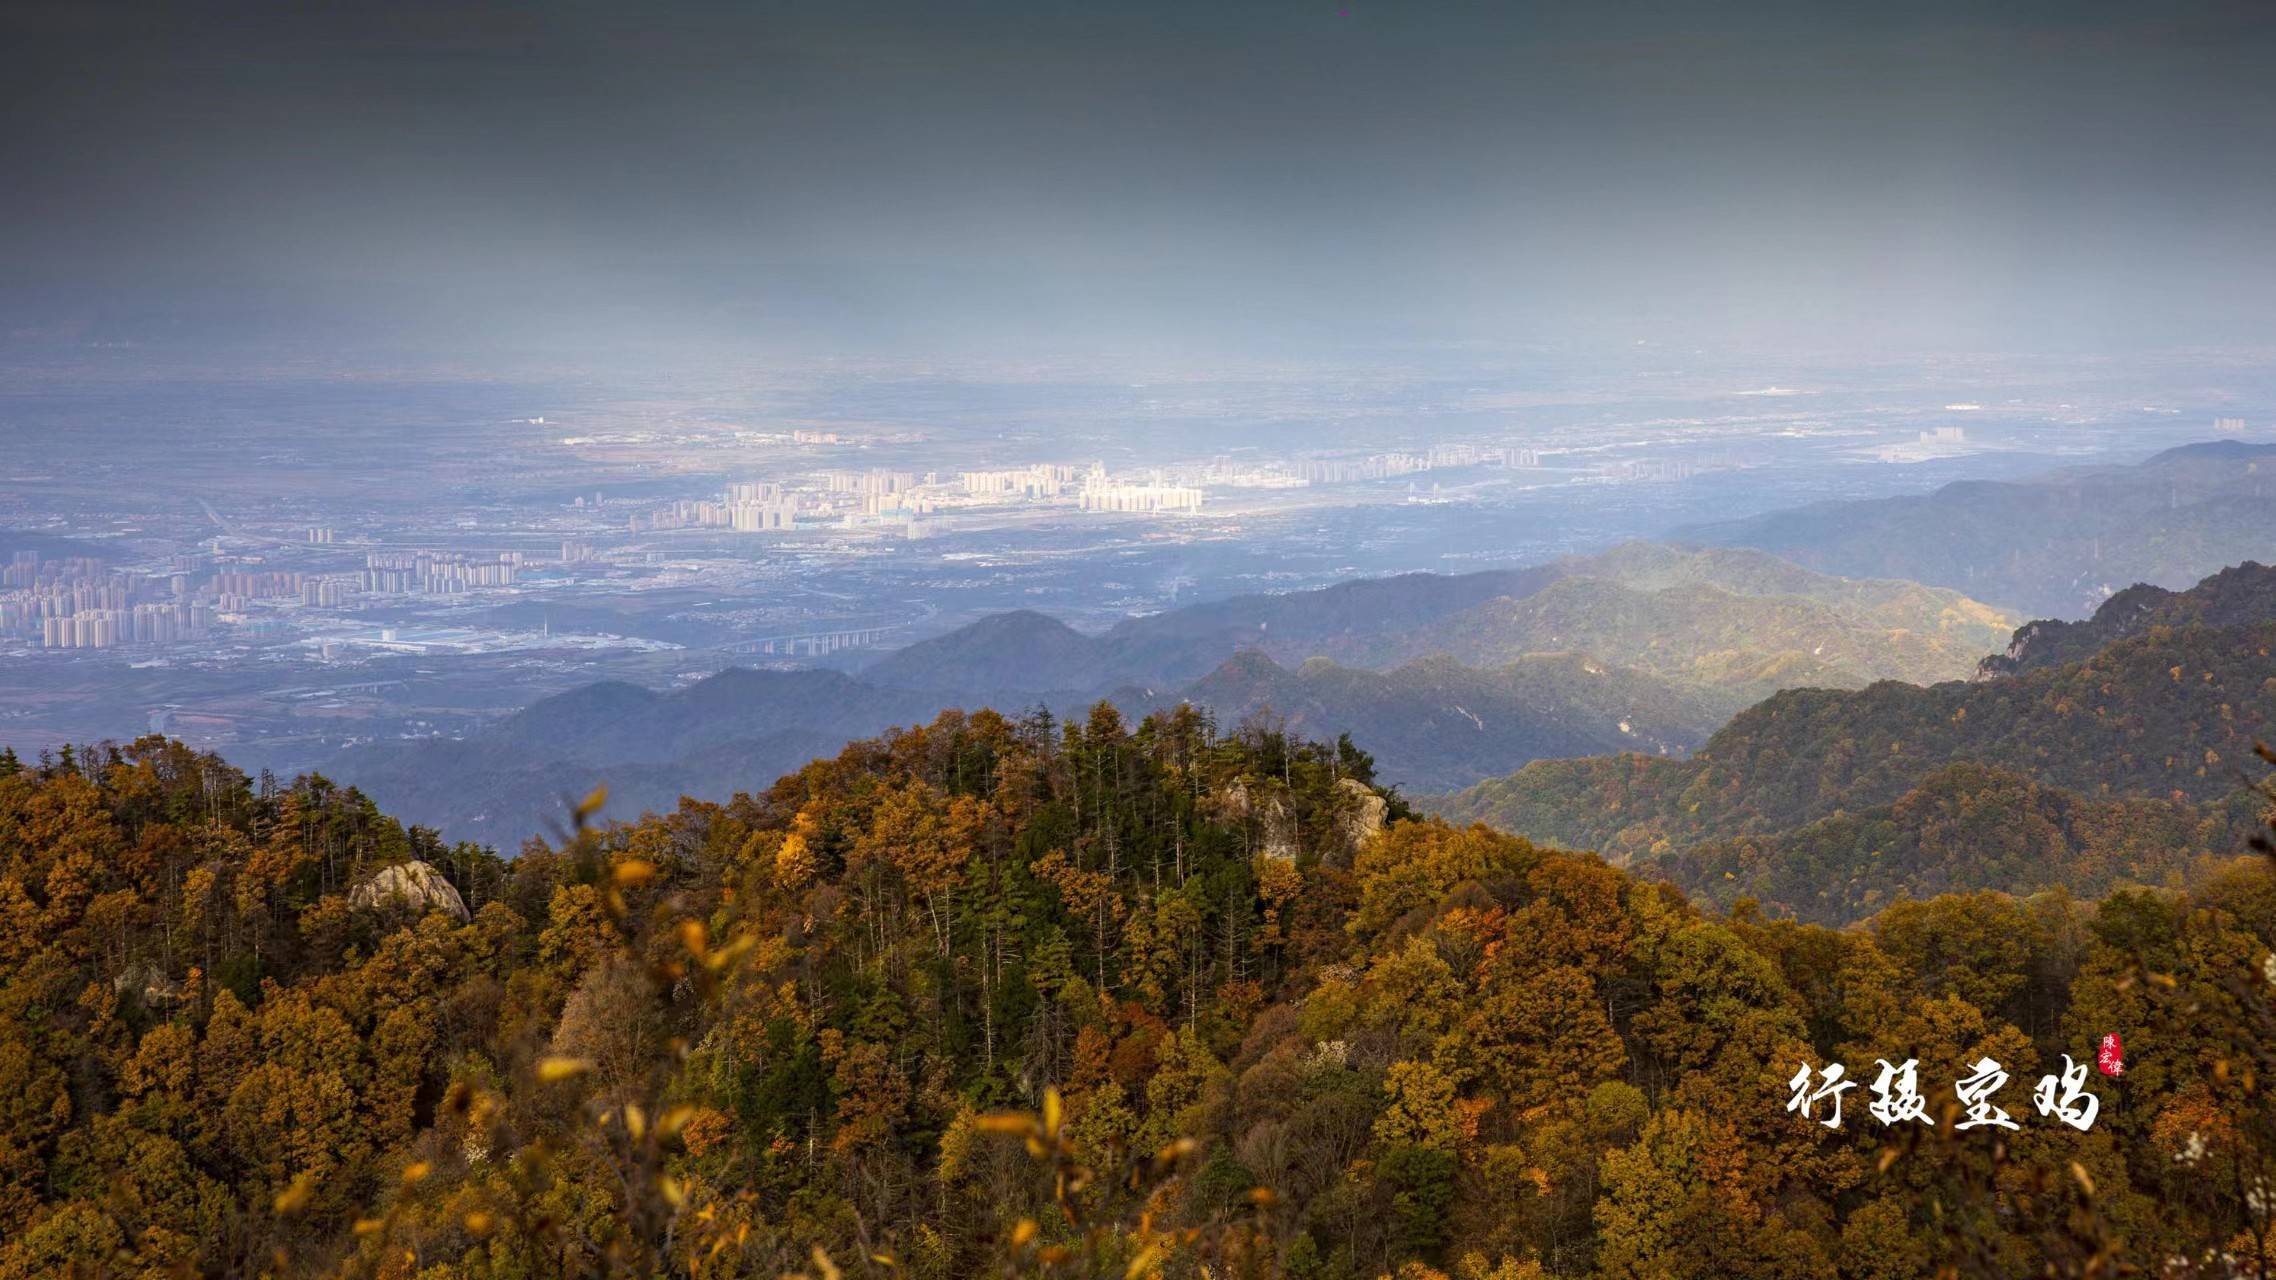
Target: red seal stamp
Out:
[2111,1057]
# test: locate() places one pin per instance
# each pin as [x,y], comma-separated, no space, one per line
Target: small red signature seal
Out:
[2111,1057]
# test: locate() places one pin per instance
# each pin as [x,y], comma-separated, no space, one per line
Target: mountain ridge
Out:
[2127,761]
[2238,594]
[2049,546]
[1413,662]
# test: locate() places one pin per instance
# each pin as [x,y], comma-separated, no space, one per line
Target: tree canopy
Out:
[1013,996]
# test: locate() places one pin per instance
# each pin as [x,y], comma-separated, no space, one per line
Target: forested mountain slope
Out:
[1439,724]
[2152,736]
[1738,648]
[991,997]
[2234,596]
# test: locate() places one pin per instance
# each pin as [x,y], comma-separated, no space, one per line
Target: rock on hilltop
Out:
[416,885]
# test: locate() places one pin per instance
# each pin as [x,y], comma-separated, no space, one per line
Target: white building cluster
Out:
[1390,466]
[758,508]
[749,507]
[437,572]
[1101,493]
[863,484]
[326,593]
[158,623]
[79,603]
[1041,482]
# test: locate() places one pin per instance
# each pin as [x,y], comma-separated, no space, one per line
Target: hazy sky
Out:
[1033,175]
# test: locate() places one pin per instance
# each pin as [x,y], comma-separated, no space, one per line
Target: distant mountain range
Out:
[1445,679]
[1358,622]
[1730,619]
[1879,753]
[1735,624]
[2054,546]
[521,775]
[2092,752]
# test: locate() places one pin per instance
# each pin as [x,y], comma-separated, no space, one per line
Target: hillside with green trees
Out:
[1435,724]
[1736,626]
[2235,596]
[997,997]
[2120,766]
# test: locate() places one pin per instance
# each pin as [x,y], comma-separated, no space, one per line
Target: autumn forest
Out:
[1001,996]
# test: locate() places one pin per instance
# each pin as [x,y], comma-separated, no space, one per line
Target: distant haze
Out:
[1271,178]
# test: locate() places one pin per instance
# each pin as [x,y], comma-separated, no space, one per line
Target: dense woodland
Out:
[2125,765]
[2237,596]
[999,996]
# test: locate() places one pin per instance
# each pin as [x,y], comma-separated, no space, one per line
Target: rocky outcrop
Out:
[2028,637]
[1365,816]
[1265,811]
[1269,816]
[149,984]
[2049,642]
[416,886]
